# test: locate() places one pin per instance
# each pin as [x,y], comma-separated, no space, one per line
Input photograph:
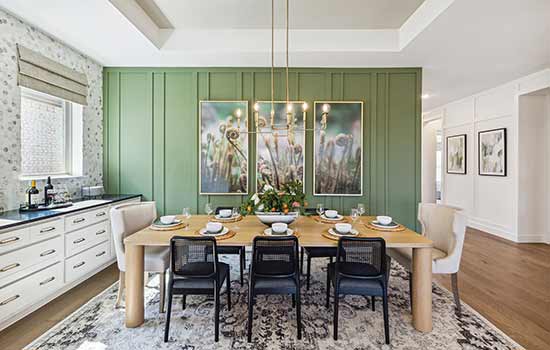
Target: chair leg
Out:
[454,284]
[228,281]
[183,301]
[121,286]
[330,259]
[216,313]
[243,262]
[386,317]
[302,260]
[299,313]
[328,291]
[411,290]
[162,288]
[168,314]
[250,311]
[372,300]
[308,271]
[335,335]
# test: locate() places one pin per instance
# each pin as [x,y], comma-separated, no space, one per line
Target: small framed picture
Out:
[492,152]
[456,154]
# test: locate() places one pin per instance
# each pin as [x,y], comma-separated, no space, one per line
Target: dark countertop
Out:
[28,217]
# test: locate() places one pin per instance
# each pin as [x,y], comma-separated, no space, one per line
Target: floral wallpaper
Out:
[12,32]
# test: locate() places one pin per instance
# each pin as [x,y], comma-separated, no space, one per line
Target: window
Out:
[51,136]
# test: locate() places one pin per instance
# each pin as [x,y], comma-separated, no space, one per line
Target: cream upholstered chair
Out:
[446,227]
[127,219]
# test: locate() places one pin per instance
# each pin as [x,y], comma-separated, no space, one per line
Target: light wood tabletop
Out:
[310,234]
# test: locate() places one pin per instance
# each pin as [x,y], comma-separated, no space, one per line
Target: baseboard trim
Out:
[491,228]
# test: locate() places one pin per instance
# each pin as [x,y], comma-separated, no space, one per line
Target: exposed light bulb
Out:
[326,108]
[289,107]
[257,107]
[238,112]
[304,106]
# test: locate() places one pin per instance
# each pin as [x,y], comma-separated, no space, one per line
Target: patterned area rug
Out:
[97,325]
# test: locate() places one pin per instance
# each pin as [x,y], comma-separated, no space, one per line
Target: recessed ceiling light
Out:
[425,96]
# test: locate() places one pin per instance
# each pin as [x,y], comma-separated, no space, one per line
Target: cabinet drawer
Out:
[23,259]
[46,229]
[81,264]
[24,293]
[79,220]
[83,239]
[11,240]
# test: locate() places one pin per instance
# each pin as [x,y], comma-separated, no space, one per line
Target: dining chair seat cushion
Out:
[321,252]
[201,283]
[267,285]
[356,286]
[274,268]
[404,256]
[156,259]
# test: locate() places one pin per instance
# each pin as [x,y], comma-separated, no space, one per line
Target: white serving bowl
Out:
[271,218]
[279,227]
[168,219]
[384,220]
[225,213]
[214,227]
[343,228]
[331,213]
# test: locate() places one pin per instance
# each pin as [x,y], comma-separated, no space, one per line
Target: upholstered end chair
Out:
[446,227]
[127,219]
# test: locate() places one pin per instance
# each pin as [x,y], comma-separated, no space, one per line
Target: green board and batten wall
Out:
[151,131]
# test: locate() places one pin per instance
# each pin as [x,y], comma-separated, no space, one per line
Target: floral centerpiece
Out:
[289,199]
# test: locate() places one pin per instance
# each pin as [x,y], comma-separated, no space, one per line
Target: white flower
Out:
[255,199]
[261,207]
[267,187]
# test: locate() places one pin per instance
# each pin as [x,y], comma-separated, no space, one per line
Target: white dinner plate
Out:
[337,218]
[333,232]
[218,217]
[203,232]
[269,232]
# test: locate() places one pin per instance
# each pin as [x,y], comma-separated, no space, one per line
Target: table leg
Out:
[422,289]
[134,286]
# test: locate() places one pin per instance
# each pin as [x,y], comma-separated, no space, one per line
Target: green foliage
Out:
[290,198]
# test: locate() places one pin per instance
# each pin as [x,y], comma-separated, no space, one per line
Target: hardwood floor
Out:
[31,327]
[508,283]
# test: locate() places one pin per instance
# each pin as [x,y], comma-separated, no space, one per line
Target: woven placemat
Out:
[376,228]
[295,234]
[228,235]
[325,221]
[171,228]
[326,234]
[227,221]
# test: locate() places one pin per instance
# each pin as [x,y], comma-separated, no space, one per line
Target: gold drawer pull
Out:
[80,240]
[9,300]
[100,254]
[46,281]
[100,232]
[100,214]
[48,252]
[9,240]
[9,267]
[78,265]
[48,229]
[76,221]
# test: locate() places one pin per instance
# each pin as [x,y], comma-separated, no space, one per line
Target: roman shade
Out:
[42,74]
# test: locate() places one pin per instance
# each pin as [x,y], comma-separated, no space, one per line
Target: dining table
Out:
[310,233]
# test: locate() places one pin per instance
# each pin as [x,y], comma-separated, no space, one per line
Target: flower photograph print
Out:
[492,152]
[456,154]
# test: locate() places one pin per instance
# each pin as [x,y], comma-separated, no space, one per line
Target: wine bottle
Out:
[32,193]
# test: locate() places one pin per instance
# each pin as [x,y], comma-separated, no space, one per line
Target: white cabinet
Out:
[43,259]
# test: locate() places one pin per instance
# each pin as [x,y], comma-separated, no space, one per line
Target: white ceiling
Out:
[463,46]
[304,14]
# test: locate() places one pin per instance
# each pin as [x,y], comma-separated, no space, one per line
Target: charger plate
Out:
[228,220]
[294,233]
[385,229]
[229,234]
[326,234]
[325,221]
[169,228]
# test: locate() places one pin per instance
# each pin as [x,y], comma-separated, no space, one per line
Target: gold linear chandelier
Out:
[288,128]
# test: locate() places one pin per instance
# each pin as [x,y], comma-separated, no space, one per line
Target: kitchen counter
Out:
[13,218]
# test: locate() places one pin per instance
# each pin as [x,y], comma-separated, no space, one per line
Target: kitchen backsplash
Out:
[14,31]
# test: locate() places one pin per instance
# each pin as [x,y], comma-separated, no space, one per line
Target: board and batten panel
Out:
[136,139]
[164,105]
